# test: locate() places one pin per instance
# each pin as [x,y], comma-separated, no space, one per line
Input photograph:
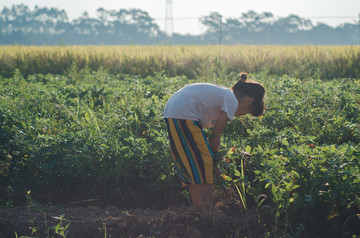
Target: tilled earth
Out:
[110,221]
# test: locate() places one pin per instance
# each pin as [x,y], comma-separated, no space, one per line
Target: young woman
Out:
[204,105]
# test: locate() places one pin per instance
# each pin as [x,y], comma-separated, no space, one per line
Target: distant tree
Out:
[214,24]
[292,23]
[87,26]
[16,19]
[263,28]
[144,23]
[21,25]
[126,26]
[358,30]
[232,30]
[256,22]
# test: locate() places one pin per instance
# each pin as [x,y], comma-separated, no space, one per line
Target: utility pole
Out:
[220,31]
[169,21]
[359,28]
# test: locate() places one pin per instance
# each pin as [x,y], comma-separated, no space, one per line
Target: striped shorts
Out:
[191,152]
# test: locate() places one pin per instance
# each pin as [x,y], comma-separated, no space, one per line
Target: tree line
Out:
[50,26]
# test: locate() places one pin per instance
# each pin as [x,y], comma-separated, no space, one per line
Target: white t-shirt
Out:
[201,102]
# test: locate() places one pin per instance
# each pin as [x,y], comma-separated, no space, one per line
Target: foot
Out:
[217,214]
[211,211]
[194,210]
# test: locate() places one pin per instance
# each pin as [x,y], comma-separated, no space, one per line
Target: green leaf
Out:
[285,142]
[236,173]
[295,173]
[248,149]
[274,189]
[57,228]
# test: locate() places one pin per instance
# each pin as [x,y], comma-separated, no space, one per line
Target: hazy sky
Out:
[187,12]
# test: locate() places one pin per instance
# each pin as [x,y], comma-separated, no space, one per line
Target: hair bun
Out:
[241,83]
[243,76]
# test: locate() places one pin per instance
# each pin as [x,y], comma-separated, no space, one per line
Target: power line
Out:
[178,18]
[311,17]
[333,17]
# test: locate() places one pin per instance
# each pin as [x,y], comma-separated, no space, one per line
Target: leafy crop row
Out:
[305,155]
[95,132]
[103,134]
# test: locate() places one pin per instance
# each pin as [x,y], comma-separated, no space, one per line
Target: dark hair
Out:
[252,89]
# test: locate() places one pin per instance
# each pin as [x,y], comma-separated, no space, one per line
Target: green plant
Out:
[101,134]
[61,229]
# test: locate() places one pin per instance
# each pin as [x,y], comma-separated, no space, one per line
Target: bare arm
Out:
[219,126]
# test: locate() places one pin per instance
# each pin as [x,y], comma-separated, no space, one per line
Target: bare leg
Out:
[207,193]
[195,195]
[207,197]
[202,197]
[208,206]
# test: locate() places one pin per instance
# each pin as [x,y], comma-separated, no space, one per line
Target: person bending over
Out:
[204,105]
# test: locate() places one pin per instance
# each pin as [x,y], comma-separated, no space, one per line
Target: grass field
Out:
[89,119]
[325,62]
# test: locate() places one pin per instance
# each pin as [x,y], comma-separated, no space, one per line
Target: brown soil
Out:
[111,221]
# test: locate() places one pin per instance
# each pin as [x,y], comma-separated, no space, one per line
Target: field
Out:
[81,127]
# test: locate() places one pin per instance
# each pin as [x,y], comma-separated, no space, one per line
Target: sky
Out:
[186,13]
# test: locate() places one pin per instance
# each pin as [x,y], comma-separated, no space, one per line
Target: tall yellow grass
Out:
[192,61]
